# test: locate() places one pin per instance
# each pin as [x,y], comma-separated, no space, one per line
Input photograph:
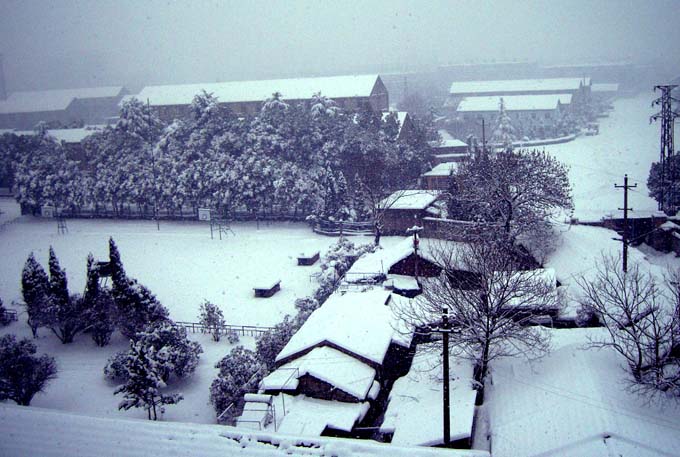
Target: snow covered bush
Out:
[232,337]
[115,367]
[212,318]
[22,374]
[240,371]
[5,317]
[181,355]
[144,366]
[35,289]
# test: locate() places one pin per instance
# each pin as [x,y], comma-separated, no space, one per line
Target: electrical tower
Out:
[667,117]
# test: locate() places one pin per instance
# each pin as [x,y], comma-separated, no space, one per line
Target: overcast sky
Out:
[64,43]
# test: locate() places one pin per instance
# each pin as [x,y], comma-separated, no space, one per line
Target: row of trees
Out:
[308,158]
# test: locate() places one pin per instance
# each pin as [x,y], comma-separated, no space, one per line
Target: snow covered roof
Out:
[41,432]
[410,199]
[510,86]
[574,402]
[443,169]
[326,364]
[669,226]
[310,416]
[605,87]
[378,263]
[53,100]
[514,102]
[72,135]
[358,323]
[249,91]
[452,143]
[414,412]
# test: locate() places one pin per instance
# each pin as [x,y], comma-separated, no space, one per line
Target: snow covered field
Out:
[182,266]
[627,143]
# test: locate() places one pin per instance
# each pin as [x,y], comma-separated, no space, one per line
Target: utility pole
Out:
[667,117]
[445,330]
[625,210]
[483,136]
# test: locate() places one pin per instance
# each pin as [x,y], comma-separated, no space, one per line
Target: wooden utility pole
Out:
[625,209]
[445,329]
[153,171]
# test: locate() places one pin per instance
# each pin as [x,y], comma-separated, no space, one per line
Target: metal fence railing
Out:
[243,330]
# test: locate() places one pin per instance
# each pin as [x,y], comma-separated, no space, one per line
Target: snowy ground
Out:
[627,143]
[575,402]
[182,266]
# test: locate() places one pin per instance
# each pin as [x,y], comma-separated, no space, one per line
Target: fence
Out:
[336,228]
[243,330]
[8,315]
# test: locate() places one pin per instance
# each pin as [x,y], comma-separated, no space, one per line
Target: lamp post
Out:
[415,230]
[445,330]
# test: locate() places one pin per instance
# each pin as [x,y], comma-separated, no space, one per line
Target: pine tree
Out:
[136,306]
[35,288]
[99,305]
[504,133]
[142,389]
[66,315]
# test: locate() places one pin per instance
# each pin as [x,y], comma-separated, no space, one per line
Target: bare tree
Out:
[641,317]
[517,192]
[492,303]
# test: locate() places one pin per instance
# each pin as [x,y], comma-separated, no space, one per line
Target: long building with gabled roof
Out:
[246,97]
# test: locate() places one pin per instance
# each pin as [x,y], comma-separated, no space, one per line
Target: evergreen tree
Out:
[99,305]
[504,133]
[35,288]
[136,306]
[182,355]
[66,315]
[142,389]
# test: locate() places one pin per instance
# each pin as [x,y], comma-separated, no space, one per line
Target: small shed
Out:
[406,208]
[439,178]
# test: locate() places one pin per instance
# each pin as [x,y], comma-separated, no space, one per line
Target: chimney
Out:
[3,92]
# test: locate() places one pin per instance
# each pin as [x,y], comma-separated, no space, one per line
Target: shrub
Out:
[22,374]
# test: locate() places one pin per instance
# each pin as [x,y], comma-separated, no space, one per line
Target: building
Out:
[524,110]
[246,97]
[439,178]
[335,365]
[405,209]
[406,127]
[60,108]
[577,87]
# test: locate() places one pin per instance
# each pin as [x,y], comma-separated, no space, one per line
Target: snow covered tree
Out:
[143,388]
[665,189]
[22,374]
[504,133]
[66,315]
[136,306]
[322,106]
[35,288]
[270,343]
[642,319]
[182,355]
[240,371]
[512,193]
[100,306]
[489,305]
[212,318]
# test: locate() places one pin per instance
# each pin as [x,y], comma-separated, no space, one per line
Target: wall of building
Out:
[316,388]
